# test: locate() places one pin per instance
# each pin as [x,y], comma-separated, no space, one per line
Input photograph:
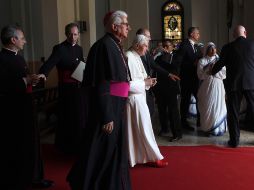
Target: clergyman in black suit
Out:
[150,66]
[166,92]
[66,56]
[19,136]
[238,57]
[188,55]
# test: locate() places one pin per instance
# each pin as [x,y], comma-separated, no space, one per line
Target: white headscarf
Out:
[209,45]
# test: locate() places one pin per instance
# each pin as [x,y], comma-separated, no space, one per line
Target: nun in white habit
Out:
[211,94]
[141,141]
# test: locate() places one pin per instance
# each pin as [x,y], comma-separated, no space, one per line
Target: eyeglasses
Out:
[126,24]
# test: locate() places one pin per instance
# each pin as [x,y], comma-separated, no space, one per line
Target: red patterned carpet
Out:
[190,167]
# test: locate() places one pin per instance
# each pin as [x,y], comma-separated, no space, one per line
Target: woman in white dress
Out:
[141,141]
[211,94]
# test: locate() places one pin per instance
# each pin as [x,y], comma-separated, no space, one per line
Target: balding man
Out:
[238,57]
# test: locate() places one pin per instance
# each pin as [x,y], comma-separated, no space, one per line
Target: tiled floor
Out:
[190,138]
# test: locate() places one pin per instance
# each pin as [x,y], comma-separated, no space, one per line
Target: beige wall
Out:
[87,14]
[248,17]
[210,17]
[50,33]
[66,14]
[138,14]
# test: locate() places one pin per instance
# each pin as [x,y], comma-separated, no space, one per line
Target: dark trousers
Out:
[186,90]
[71,118]
[168,111]
[234,99]
[150,101]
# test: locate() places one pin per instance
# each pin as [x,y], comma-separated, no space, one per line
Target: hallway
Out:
[190,138]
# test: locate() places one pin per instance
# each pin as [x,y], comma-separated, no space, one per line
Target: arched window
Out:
[172,21]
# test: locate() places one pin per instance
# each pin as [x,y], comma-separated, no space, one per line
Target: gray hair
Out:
[9,32]
[115,18]
[140,39]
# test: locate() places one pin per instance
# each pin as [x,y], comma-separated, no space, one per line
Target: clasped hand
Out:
[35,79]
[150,81]
[209,69]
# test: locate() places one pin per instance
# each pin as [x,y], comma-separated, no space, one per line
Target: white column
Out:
[87,14]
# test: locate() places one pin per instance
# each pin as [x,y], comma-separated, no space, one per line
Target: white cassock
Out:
[141,141]
[211,98]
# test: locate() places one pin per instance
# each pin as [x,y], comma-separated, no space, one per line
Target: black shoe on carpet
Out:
[232,144]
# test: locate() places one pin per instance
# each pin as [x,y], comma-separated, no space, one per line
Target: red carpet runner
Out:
[190,168]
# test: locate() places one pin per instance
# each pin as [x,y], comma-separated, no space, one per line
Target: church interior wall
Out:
[43,21]
[155,16]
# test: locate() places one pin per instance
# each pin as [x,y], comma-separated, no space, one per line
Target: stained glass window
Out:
[172,21]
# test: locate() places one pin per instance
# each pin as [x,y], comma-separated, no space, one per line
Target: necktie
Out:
[195,48]
[171,57]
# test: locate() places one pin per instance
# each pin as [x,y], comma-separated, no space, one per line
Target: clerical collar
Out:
[70,43]
[15,52]
[114,38]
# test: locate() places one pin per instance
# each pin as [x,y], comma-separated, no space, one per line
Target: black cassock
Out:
[16,117]
[66,58]
[104,160]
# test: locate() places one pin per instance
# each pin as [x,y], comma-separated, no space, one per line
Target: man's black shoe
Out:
[232,144]
[43,184]
[173,139]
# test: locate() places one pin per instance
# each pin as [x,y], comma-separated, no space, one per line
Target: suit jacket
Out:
[151,66]
[187,58]
[238,57]
[167,62]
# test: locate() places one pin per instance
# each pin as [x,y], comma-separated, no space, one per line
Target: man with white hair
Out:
[104,160]
[238,57]
[142,144]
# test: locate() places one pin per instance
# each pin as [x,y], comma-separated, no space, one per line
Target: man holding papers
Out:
[66,57]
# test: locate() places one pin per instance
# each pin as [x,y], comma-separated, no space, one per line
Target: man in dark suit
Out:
[166,92]
[188,55]
[238,57]
[151,66]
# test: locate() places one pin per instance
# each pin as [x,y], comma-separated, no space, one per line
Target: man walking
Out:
[238,57]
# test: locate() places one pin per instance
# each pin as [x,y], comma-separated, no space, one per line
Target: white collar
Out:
[192,42]
[16,52]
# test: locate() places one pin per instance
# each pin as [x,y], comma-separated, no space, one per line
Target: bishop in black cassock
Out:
[104,161]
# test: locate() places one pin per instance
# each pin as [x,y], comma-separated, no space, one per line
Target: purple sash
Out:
[119,88]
